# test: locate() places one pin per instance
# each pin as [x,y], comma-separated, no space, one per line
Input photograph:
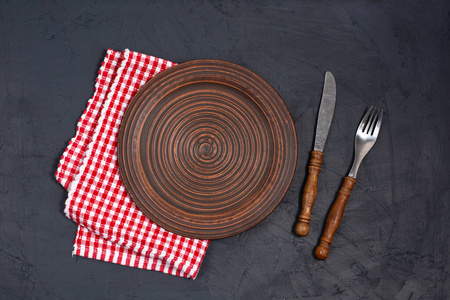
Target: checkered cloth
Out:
[111,228]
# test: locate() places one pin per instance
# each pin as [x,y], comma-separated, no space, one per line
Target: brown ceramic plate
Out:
[207,149]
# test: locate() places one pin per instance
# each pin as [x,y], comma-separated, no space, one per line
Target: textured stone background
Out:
[393,242]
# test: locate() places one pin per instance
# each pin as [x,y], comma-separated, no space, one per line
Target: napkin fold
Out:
[110,227]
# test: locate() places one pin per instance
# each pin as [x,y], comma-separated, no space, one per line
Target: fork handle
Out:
[309,193]
[334,218]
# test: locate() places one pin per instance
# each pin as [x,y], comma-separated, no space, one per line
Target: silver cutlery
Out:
[366,136]
[325,116]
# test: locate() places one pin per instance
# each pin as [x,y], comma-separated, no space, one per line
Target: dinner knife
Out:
[325,116]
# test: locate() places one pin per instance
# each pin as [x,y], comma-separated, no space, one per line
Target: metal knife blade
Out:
[326,111]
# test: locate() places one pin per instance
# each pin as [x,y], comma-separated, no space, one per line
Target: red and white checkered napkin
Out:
[111,228]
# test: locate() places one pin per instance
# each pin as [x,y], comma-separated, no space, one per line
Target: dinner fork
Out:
[366,136]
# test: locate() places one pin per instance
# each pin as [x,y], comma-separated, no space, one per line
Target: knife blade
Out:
[326,111]
[324,118]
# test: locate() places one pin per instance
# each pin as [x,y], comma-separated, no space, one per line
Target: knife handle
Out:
[309,193]
[334,218]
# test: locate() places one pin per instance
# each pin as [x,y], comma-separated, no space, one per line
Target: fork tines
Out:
[371,122]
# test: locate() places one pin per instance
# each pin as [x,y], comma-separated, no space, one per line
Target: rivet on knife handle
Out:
[309,193]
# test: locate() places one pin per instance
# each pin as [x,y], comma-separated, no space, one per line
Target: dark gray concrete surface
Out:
[393,242]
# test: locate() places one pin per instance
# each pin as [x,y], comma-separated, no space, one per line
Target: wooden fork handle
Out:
[334,218]
[309,193]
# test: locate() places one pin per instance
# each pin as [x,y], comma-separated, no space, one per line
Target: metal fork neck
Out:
[355,167]
[353,172]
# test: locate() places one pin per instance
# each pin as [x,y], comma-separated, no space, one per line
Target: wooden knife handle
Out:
[309,193]
[334,218]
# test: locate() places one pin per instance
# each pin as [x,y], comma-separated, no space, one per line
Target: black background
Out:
[393,241]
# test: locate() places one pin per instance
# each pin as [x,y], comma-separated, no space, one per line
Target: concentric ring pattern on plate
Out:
[207,149]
